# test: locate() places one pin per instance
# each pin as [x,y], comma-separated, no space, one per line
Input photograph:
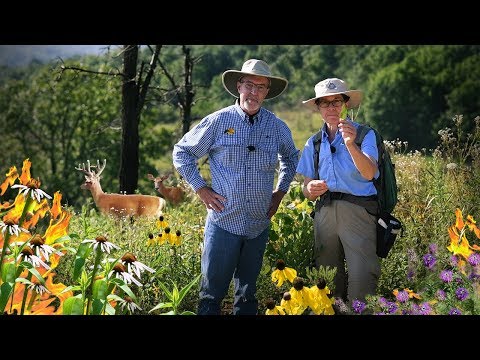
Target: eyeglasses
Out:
[261,88]
[336,103]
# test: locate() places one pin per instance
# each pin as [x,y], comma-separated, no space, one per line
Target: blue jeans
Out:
[226,255]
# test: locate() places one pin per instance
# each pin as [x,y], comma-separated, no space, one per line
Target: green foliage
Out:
[323,272]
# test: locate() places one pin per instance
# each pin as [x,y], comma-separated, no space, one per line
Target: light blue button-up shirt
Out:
[243,159]
[336,167]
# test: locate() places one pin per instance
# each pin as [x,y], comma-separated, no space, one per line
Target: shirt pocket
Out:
[230,151]
[266,157]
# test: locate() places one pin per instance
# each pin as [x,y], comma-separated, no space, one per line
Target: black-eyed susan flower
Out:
[322,303]
[101,241]
[291,306]
[160,239]
[133,265]
[168,236]
[151,240]
[282,273]
[301,294]
[273,309]
[161,223]
[177,238]
[229,131]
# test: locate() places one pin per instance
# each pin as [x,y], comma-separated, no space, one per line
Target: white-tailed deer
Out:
[173,194]
[119,204]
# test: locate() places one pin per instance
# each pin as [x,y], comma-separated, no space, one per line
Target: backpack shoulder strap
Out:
[362,130]
[317,139]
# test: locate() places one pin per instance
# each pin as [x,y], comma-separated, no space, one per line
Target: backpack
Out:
[386,183]
[388,227]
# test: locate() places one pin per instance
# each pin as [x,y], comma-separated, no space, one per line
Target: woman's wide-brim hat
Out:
[257,68]
[334,86]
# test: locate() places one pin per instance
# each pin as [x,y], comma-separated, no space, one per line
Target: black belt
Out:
[370,203]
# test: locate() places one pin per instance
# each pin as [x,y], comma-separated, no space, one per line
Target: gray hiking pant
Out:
[346,238]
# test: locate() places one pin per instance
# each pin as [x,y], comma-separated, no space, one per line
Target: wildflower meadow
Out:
[59,260]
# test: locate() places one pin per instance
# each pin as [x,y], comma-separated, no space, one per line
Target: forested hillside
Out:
[59,118]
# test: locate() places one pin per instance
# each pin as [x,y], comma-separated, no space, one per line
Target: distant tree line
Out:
[59,118]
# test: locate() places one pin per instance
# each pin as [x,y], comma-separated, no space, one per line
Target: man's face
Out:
[252,90]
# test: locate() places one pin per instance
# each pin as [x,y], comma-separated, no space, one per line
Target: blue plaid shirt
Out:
[243,159]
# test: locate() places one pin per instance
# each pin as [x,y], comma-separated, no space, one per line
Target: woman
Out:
[345,221]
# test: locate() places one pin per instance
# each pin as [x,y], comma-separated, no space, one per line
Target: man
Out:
[244,143]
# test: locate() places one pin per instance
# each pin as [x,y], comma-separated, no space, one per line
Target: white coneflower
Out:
[121,272]
[40,248]
[12,228]
[28,255]
[39,288]
[133,265]
[127,301]
[101,241]
[32,187]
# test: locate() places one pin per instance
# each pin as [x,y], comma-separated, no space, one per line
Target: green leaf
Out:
[5,291]
[73,306]
[187,288]
[100,289]
[78,267]
[161,306]
[8,272]
[97,306]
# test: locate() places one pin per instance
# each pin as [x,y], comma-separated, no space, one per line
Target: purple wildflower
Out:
[402,296]
[440,294]
[429,261]
[391,307]
[382,301]
[422,309]
[454,311]
[454,260]
[446,276]
[433,248]
[358,306]
[474,259]
[461,293]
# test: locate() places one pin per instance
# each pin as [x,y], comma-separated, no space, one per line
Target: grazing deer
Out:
[118,204]
[173,194]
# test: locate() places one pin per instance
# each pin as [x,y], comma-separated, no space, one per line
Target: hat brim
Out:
[230,78]
[353,102]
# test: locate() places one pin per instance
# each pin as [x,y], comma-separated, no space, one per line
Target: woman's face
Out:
[330,108]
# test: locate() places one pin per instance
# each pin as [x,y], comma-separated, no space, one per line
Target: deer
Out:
[119,205]
[173,194]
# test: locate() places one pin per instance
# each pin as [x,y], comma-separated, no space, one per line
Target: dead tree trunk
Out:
[128,174]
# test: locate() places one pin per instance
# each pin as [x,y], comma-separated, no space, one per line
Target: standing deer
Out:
[119,204]
[173,194]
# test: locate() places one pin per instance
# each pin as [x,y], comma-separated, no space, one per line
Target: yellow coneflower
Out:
[168,236]
[322,303]
[178,238]
[161,223]
[273,309]
[151,240]
[282,273]
[301,294]
[291,306]
[161,239]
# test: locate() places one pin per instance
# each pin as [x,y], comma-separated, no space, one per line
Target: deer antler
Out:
[89,174]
